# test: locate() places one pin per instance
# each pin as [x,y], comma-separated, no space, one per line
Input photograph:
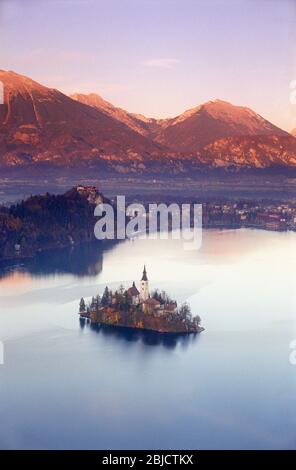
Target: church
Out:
[148,304]
[136,296]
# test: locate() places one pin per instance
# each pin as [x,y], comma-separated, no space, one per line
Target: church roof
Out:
[170,307]
[144,277]
[151,301]
[133,291]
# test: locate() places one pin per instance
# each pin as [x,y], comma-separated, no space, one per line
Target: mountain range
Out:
[41,126]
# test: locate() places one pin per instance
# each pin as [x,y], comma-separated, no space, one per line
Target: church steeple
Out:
[144,289]
[144,277]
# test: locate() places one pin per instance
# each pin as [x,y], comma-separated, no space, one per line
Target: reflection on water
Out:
[68,384]
[145,337]
[81,260]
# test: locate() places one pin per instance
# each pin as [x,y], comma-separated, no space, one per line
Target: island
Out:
[140,309]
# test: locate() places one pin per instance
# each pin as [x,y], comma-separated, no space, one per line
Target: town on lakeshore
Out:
[24,225]
[140,309]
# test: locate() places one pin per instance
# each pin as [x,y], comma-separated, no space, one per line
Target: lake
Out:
[67,385]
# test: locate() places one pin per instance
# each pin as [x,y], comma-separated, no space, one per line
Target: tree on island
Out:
[184,311]
[93,303]
[121,289]
[82,305]
[126,301]
[166,299]
[105,297]
[123,302]
[197,319]
[162,297]
[118,297]
[156,295]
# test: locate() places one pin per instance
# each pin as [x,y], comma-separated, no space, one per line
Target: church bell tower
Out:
[144,290]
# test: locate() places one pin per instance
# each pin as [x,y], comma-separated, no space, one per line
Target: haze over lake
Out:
[67,385]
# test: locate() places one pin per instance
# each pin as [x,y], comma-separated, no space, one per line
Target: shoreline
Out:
[119,328]
[27,258]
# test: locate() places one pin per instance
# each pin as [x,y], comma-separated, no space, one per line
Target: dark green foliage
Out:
[43,222]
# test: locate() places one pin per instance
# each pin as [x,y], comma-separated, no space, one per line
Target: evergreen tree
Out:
[93,303]
[156,295]
[82,305]
[105,297]
[121,289]
[127,300]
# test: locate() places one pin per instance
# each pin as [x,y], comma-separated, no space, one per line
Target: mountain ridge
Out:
[42,125]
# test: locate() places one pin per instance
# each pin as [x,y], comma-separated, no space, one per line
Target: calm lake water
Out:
[65,385]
